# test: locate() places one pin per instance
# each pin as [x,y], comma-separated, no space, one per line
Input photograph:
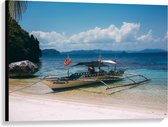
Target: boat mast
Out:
[99,61]
[68,67]
[115,67]
[68,72]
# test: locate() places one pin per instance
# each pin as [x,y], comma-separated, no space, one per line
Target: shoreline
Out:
[39,103]
[37,110]
[31,108]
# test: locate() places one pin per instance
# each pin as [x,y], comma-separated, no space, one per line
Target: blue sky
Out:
[73,26]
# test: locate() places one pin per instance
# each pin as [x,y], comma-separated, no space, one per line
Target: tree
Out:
[21,45]
[16,8]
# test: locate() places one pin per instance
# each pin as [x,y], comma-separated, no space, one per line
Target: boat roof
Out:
[108,61]
[97,63]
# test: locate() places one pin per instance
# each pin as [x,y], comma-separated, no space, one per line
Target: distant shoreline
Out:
[98,51]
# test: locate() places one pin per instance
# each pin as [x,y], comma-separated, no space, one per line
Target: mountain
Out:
[152,51]
[94,51]
[49,52]
[98,51]
[21,45]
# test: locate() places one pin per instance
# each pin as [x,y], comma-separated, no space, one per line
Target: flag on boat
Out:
[67,61]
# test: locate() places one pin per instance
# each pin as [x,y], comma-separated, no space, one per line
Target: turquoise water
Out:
[128,61]
[151,65]
[156,76]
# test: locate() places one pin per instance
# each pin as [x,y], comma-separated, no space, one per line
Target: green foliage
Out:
[21,45]
[16,8]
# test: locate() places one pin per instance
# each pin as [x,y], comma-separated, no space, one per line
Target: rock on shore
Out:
[22,68]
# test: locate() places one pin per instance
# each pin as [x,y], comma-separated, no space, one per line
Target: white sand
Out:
[38,103]
[30,108]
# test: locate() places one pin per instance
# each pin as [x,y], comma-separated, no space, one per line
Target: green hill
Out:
[21,45]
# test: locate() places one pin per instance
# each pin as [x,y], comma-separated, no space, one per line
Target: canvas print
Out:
[85,61]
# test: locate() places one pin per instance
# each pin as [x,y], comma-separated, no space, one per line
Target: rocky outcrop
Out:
[22,69]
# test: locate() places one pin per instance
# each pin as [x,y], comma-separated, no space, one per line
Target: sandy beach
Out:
[33,104]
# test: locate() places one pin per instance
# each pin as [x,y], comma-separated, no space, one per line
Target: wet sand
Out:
[38,102]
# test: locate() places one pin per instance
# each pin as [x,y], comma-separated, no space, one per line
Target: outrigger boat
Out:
[91,76]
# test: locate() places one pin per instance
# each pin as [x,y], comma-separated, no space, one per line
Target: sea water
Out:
[135,62]
[151,65]
[129,61]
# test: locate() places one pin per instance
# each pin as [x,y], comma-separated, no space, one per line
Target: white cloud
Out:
[50,39]
[148,37]
[112,34]
[166,36]
[94,38]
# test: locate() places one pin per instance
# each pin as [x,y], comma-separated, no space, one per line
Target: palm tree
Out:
[16,8]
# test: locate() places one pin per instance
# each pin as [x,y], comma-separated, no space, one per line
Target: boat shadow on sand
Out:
[24,77]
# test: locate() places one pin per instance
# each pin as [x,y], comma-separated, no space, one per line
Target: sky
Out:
[86,26]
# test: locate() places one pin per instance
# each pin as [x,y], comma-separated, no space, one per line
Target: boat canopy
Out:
[108,61]
[98,63]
